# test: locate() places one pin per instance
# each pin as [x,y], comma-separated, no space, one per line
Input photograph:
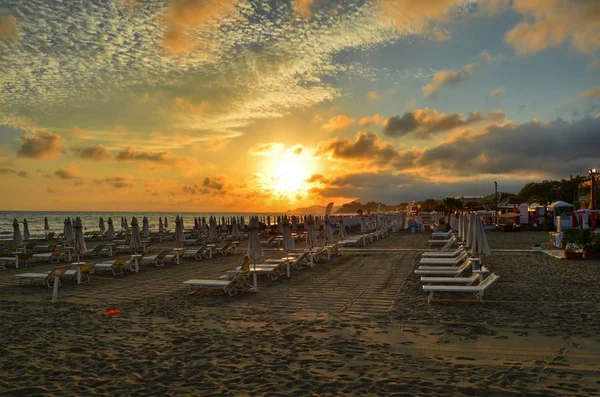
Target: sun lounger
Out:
[47,278]
[196,253]
[450,280]
[443,254]
[442,235]
[227,248]
[443,270]
[445,242]
[157,260]
[236,284]
[478,290]
[454,261]
[97,251]
[53,257]
[85,271]
[116,266]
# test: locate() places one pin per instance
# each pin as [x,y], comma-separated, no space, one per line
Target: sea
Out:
[91,220]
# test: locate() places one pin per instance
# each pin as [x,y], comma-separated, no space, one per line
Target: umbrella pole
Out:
[254,280]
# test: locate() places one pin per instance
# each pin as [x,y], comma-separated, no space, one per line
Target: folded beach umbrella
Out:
[123,227]
[471,228]
[242,223]
[136,240]
[279,225]
[69,232]
[26,234]
[79,241]
[286,230]
[212,228]
[101,225]
[255,251]
[328,232]
[110,234]
[166,223]
[196,224]
[342,228]
[17,238]
[145,228]
[161,228]
[294,223]
[363,224]
[235,231]
[203,226]
[179,235]
[480,246]
[311,234]
[46,225]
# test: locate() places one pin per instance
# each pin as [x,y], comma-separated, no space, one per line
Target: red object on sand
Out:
[112,312]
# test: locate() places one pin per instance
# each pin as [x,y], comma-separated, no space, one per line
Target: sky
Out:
[256,105]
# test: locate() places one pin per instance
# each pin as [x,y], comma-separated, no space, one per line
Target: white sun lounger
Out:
[47,278]
[454,261]
[478,290]
[232,286]
[444,235]
[450,280]
[443,254]
[448,241]
[443,270]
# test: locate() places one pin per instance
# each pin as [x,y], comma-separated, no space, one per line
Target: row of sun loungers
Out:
[237,280]
[442,271]
[365,238]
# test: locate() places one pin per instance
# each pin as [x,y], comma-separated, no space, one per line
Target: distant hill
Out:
[353,206]
[313,209]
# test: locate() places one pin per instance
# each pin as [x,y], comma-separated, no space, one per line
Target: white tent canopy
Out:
[559,204]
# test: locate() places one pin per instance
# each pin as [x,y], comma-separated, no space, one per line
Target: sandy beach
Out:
[356,325]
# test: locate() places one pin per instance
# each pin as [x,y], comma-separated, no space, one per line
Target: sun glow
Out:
[288,175]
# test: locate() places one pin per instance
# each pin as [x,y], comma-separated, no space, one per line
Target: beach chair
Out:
[447,243]
[232,286]
[157,260]
[443,254]
[454,261]
[96,252]
[443,270]
[442,235]
[477,290]
[53,257]
[46,278]
[85,271]
[295,260]
[116,266]
[450,280]
[225,249]
[196,253]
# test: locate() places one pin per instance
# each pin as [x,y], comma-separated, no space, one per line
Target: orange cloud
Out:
[266,149]
[302,7]
[592,93]
[373,95]
[366,147]
[338,123]
[183,15]
[368,120]
[549,23]
[95,153]
[41,144]
[497,91]
[445,78]
[8,28]
[417,17]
